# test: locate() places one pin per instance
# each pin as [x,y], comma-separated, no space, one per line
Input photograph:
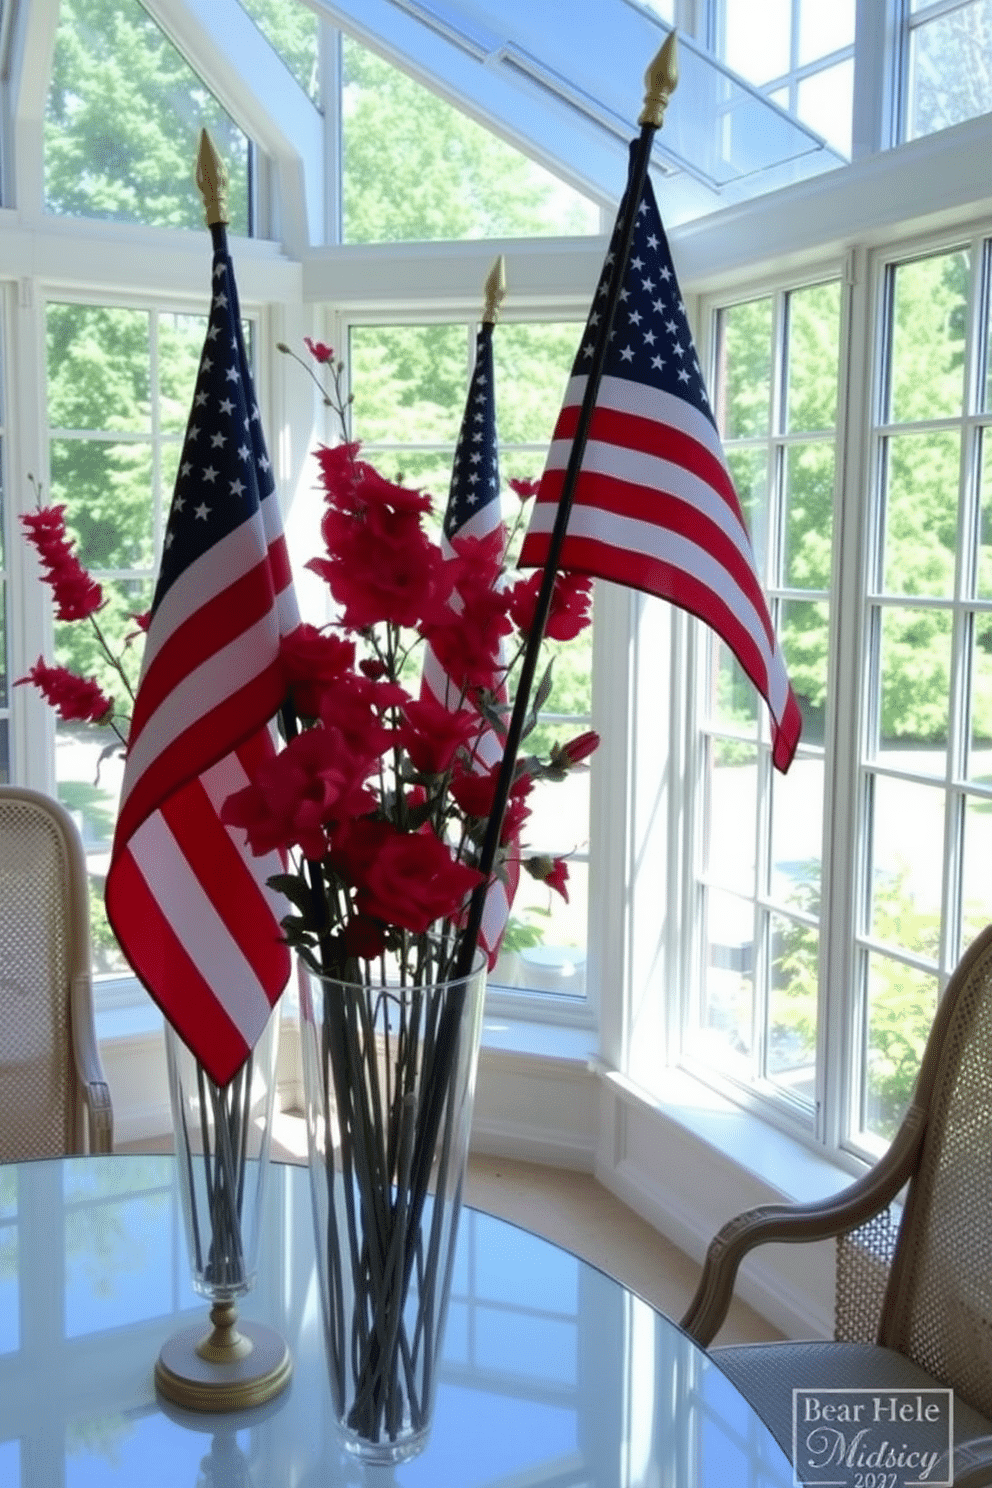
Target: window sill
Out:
[786,1166]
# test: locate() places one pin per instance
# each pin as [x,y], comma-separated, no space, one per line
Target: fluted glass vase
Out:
[389,1075]
[223,1136]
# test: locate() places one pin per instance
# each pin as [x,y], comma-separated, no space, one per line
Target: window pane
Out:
[749,471]
[98,369]
[107,490]
[529,406]
[980,754]
[730,814]
[809,515]
[732,701]
[921,513]
[804,629]
[797,835]
[180,342]
[293,30]
[814,341]
[758,53]
[4,679]
[826,103]
[915,683]
[409,383]
[976,880]
[415,167]
[907,863]
[949,75]
[901,1005]
[984,579]
[123,120]
[930,313]
[791,1054]
[724,1037]
[744,376]
[543,949]
[824,28]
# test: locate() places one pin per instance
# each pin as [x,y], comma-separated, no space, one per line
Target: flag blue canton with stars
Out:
[225,471]
[475,471]
[650,341]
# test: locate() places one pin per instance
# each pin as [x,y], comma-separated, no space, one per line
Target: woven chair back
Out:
[39,907]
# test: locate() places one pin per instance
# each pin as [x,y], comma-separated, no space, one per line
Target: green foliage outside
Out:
[293,30]
[415,168]
[901,1000]
[123,120]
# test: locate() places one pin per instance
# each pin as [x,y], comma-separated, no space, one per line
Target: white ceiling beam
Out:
[248,77]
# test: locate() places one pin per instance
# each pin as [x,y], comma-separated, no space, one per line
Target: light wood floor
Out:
[574,1211]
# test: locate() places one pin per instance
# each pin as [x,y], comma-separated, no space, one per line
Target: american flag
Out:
[654,506]
[188,902]
[473,510]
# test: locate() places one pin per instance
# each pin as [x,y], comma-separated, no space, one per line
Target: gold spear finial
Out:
[211,177]
[660,80]
[495,291]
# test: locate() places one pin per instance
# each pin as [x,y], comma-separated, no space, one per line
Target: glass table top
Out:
[552,1374]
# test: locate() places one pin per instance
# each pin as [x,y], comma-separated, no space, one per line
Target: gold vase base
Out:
[235,1366]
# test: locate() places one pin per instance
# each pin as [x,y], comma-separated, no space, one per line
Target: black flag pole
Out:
[661,80]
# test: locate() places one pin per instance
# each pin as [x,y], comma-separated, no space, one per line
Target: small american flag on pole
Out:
[188,902]
[473,510]
[654,506]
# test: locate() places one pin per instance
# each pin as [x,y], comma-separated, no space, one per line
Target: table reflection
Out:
[552,1373]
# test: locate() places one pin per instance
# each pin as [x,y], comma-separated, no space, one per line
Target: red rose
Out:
[413,881]
[573,751]
[381,566]
[525,489]
[433,733]
[311,661]
[570,600]
[315,780]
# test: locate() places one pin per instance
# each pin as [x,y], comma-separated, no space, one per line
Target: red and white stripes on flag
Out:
[654,504]
[473,510]
[187,900]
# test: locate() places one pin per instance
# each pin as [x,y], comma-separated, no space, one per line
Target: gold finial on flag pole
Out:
[660,80]
[211,177]
[495,291]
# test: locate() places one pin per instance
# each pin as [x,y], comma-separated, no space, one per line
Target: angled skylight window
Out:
[293,30]
[416,168]
[122,123]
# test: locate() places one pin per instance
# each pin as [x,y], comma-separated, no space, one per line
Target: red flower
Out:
[363,937]
[433,733]
[525,489]
[74,698]
[574,751]
[354,705]
[474,793]
[76,594]
[467,641]
[318,350]
[570,600]
[413,881]
[381,566]
[552,871]
[312,660]
[318,778]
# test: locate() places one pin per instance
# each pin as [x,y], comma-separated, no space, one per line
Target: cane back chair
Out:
[54,1098]
[913,1292]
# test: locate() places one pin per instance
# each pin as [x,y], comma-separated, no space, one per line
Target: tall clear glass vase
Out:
[389,1075]
[223,1137]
